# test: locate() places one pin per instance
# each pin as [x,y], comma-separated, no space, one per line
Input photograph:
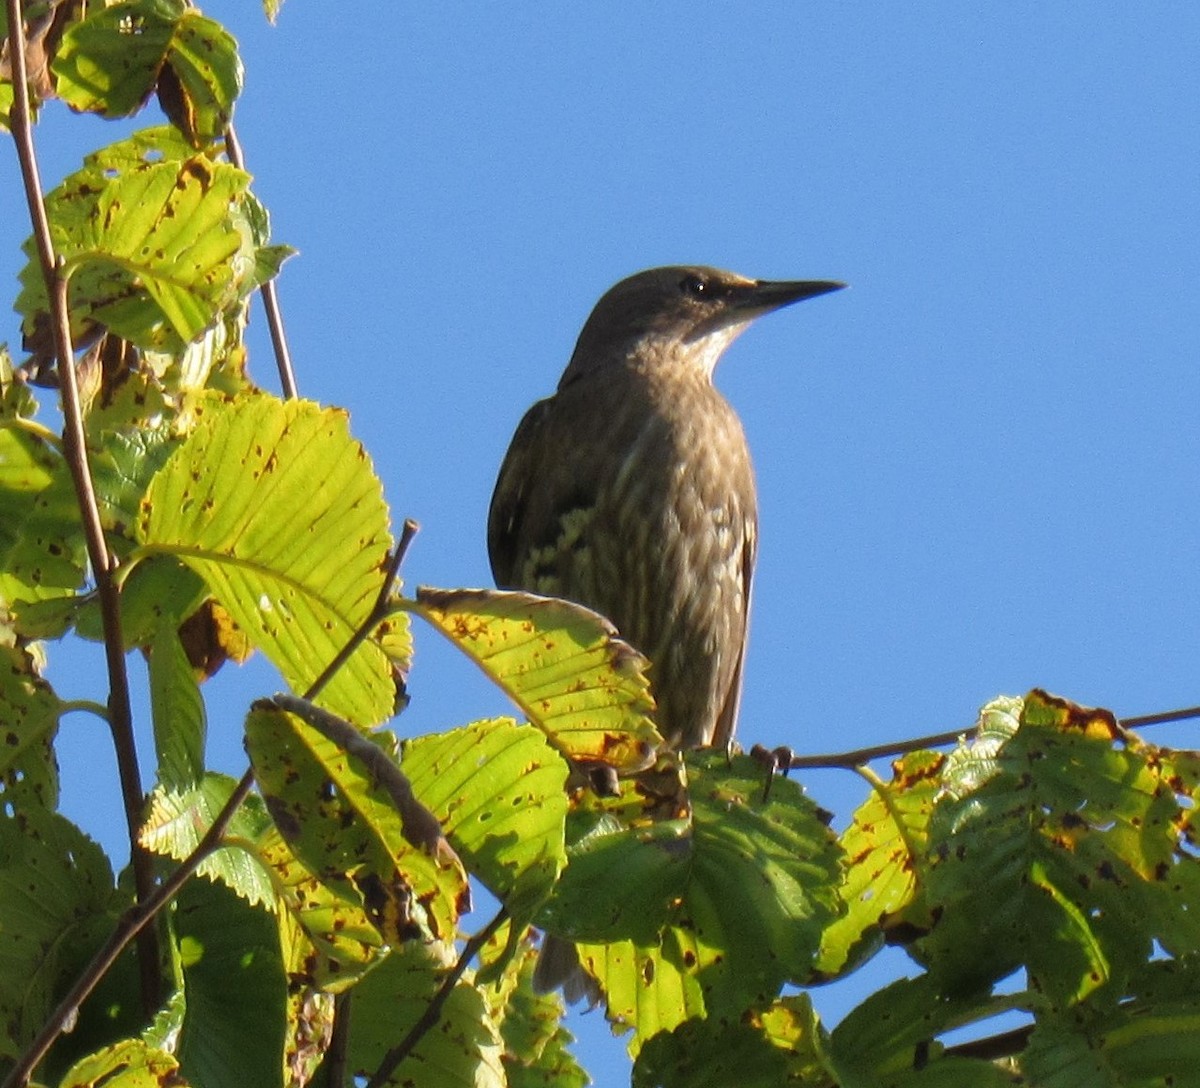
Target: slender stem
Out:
[103,563]
[859,756]
[133,922]
[1161,719]
[270,297]
[378,611]
[433,1010]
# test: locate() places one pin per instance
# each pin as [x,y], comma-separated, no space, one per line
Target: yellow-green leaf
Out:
[277,508]
[561,663]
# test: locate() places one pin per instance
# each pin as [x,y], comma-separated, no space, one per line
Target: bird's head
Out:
[681,312]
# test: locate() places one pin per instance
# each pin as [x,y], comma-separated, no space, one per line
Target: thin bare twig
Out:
[133,922]
[1161,719]
[103,563]
[378,613]
[433,1010]
[858,756]
[270,297]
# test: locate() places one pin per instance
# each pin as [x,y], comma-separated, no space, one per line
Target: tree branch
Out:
[103,563]
[857,756]
[270,297]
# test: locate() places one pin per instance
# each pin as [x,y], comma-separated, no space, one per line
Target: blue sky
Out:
[977,467]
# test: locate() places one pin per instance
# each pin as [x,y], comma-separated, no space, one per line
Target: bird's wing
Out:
[510,497]
[727,719]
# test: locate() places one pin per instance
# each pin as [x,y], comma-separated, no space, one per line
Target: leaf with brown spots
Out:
[885,847]
[337,817]
[497,789]
[277,508]
[112,61]
[561,663]
[1063,859]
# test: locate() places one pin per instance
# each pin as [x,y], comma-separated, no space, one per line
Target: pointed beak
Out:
[766,295]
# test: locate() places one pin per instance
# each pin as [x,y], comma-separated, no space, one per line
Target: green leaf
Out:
[177,711]
[333,812]
[110,63]
[562,664]
[29,713]
[884,846]
[1055,851]
[629,861]
[536,1045]
[127,1064]
[497,789]
[277,508]
[778,1046]
[1151,1039]
[761,889]
[463,1049]
[235,989]
[326,940]
[58,904]
[154,249]
[178,820]
[42,553]
[890,1039]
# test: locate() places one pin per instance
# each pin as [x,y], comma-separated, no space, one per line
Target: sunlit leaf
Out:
[497,789]
[334,814]
[562,664]
[885,846]
[177,821]
[127,1064]
[42,551]
[276,507]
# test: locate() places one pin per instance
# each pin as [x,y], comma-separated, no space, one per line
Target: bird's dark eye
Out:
[696,286]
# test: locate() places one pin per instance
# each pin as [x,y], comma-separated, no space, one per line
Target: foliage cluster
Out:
[316,929]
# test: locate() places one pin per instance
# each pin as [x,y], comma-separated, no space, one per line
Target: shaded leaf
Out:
[780,1045]
[1055,852]
[235,989]
[761,889]
[110,62]
[177,711]
[29,713]
[463,1051]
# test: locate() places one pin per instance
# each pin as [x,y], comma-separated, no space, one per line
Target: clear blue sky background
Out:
[977,467]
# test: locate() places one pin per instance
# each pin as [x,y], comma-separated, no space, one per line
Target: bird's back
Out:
[632,493]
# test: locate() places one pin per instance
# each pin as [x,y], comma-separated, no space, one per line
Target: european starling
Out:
[631,491]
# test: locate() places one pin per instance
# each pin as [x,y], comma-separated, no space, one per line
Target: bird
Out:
[631,490]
